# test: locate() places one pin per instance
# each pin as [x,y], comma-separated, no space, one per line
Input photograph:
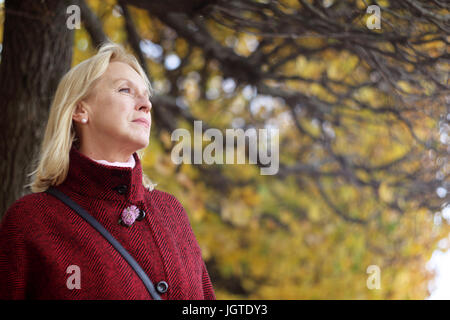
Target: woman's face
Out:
[118,112]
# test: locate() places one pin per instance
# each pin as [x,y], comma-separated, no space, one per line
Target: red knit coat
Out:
[40,237]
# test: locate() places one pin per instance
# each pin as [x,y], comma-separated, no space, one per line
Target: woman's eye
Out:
[126,90]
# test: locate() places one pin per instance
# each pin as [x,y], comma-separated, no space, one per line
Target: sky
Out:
[440,285]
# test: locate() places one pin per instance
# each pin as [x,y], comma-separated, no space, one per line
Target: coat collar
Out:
[89,178]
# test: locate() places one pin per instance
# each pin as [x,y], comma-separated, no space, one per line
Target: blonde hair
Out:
[52,164]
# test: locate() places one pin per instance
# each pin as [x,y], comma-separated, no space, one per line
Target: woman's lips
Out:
[143,121]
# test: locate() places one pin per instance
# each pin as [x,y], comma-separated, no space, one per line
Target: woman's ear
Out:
[80,114]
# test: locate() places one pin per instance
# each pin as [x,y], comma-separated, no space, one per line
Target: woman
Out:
[98,125]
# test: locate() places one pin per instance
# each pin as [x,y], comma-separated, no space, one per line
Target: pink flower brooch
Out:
[130,215]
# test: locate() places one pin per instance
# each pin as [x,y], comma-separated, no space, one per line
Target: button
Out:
[122,189]
[141,215]
[162,287]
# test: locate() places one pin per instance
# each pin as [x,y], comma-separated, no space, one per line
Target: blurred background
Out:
[361,102]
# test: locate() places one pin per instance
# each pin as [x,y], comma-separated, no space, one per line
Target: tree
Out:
[363,127]
[36,52]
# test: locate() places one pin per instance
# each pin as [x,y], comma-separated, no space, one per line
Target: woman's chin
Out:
[141,143]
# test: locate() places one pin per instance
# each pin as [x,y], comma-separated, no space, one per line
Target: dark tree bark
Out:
[37,51]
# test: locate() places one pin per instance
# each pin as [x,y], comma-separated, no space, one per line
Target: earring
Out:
[83,120]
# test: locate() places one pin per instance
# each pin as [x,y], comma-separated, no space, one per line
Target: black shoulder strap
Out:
[94,223]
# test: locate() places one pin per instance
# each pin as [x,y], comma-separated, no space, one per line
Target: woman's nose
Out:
[145,105]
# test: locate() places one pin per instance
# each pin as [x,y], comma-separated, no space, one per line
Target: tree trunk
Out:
[37,51]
